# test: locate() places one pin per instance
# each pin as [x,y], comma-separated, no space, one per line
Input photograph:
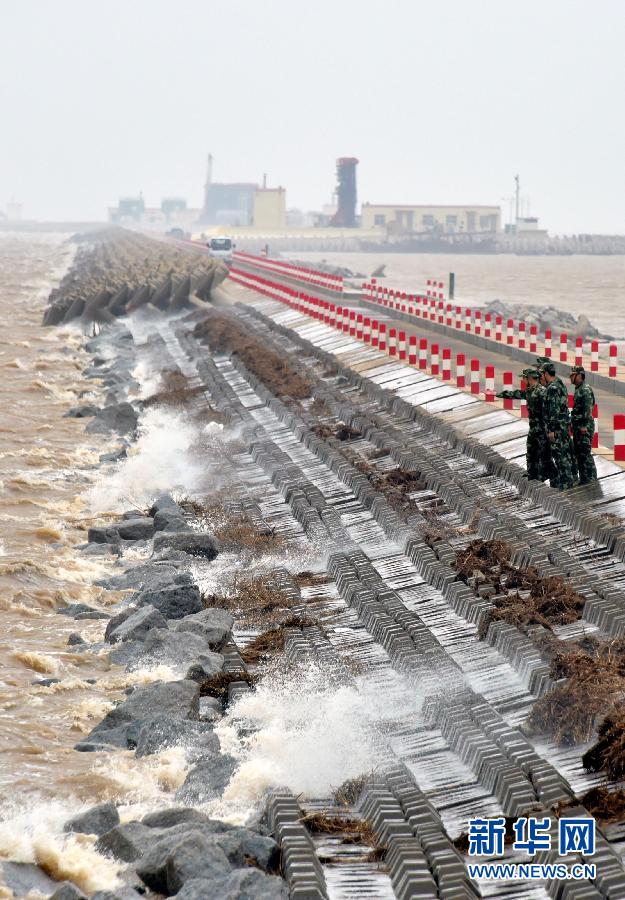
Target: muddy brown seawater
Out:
[47,462]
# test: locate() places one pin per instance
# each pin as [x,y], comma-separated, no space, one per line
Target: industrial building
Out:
[400,219]
[269,208]
[172,211]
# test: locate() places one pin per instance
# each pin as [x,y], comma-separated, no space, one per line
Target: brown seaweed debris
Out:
[608,754]
[522,597]
[254,600]
[272,642]
[595,676]
[319,407]
[604,804]
[175,390]
[348,793]
[311,579]
[352,830]
[217,685]
[225,334]
[239,534]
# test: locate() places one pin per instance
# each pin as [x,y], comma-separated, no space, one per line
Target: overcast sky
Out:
[442,102]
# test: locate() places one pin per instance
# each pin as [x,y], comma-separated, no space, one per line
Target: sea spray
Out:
[160,461]
[34,834]
[310,731]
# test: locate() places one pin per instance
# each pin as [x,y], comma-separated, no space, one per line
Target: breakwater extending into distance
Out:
[301,623]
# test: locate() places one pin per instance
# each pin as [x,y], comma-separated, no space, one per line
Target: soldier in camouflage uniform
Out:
[556,416]
[583,425]
[538,451]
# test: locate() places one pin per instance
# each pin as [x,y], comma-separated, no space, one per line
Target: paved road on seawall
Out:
[500,430]
[503,358]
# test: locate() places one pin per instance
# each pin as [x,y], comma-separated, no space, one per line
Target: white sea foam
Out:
[311,733]
[34,834]
[161,460]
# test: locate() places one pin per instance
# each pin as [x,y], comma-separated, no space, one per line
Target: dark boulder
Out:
[214,625]
[97,820]
[113,457]
[103,534]
[152,574]
[169,864]
[164,646]
[121,726]
[136,626]
[173,601]
[82,412]
[164,501]
[177,815]
[138,529]
[79,609]
[127,842]
[243,884]
[120,417]
[244,847]
[75,640]
[170,520]
[192,542]
[161,732]
[207,780]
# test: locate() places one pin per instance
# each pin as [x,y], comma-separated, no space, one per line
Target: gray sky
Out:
[442,102]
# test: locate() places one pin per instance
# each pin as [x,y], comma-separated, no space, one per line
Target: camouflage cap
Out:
[578,370]
[542,361]
[531,372]
[548,368]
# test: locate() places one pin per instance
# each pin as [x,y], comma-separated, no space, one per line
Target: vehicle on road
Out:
[221,248]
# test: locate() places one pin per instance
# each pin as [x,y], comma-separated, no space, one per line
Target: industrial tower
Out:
[345,216]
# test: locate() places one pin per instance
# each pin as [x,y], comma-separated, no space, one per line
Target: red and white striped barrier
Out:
[475,376]
[375,333]
[524,410]
[579,351]
[461,372]
[533,339]
[612,370]
[510,331]
[478,322]
[548,343]
[423,353]
[508,385]
[412,350]
[467,319]
[446,364]
[402,345]
[324,280]
[488,325]
[564,350]
[382,337]
[392,342]
[366,330]
[434,364]
[619,437]
[594,356]
[521,340]
[489,384]
[498,327]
